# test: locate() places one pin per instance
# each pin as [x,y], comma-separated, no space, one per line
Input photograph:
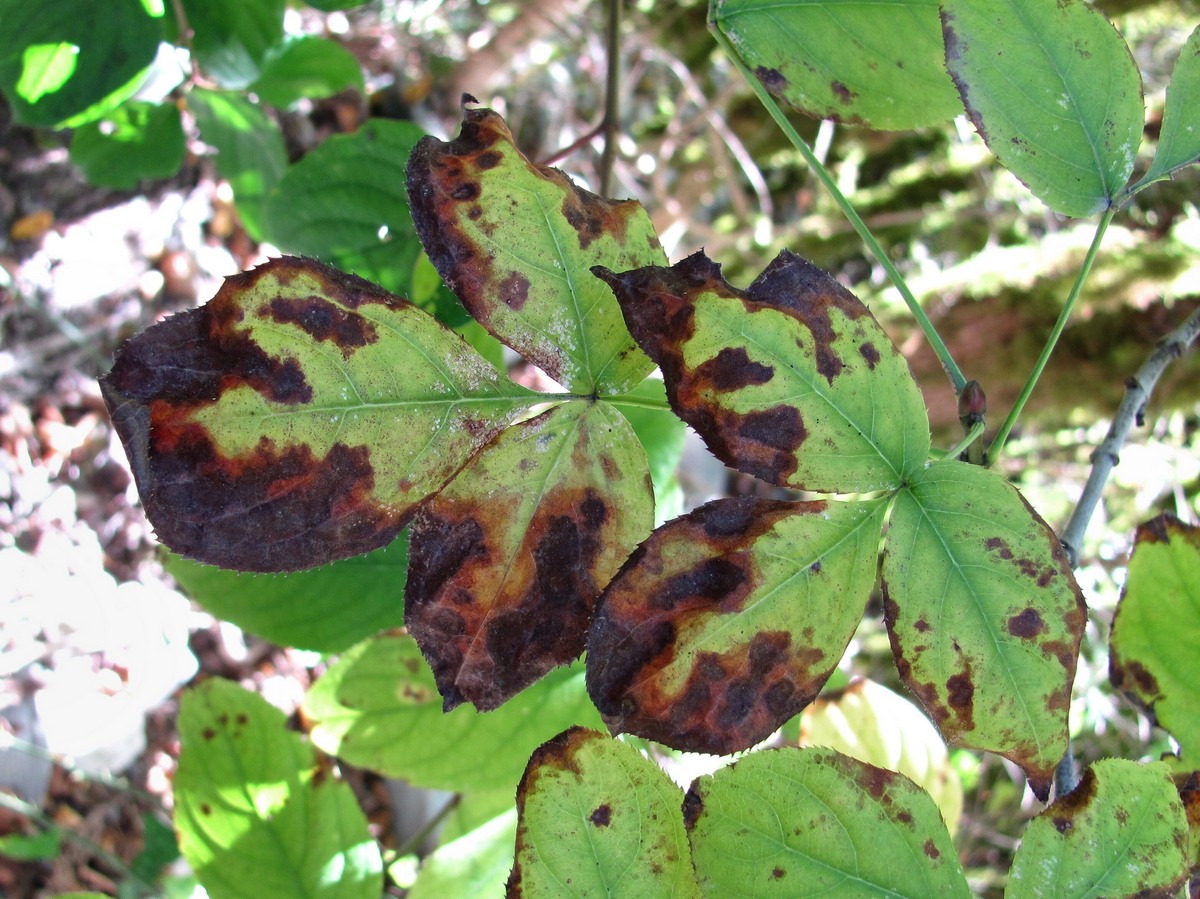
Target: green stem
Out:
[642,402]
[935,341]
[997,443]
[972,435]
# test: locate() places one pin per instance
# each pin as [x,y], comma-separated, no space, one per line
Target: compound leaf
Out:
[1157,628]
[1069,126]
[984,615]
[874,63]
[509,559]
[299,417]
[252,805]
[1179,139]
[791,380]
[378,707]
[345,203]
[809,822]
[597,815]
[727,621]
[515,241]
[1121,832]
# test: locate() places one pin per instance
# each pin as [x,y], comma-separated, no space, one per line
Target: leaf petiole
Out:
[972,435]
[957,379]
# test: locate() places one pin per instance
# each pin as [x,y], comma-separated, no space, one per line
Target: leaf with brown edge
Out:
[299,417]
[509,559]
[516,242]
[791,380]
[984,615]
[728,620]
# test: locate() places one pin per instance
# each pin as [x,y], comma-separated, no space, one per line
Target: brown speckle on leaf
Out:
[601,816]
[1027,624]
[931,850]
[514,290]
[772,79]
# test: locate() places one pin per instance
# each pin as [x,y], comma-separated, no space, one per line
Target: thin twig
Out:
[612,98]
[1130,412]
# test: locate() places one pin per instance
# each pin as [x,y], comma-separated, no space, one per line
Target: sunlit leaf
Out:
[1179,139]
[597,815]
[516,243]
[1121,832]
[249,148]
[137,141]
[253,806]
[727,621]
[326,609]
[869,722]
[72,61]
[812,822]
[873,62]
[1054,92]
[345,204]
[509,559]
[299,417]
[230,38]
[1157,629]
[306,67]
[476,864]
[378,707]
[984,615]
[791,380]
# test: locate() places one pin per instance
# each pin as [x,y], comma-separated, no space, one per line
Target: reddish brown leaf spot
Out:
[1027,624]
[732,369]
[777,873]
[931,850]
[693,807]
[1067,808]
[870,354]
[205,808]
[1134,679]
[960,694]
[843,93]
[772,79]
[999,547]
[876,780]
[208,733]
[590,215]
[921,625]
[514,290]
[324,321]
[601,816]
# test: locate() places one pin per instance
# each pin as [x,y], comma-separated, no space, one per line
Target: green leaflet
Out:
[516,241]
[345,204]
[792,380]
[306,67]
[509,559]
[596,815]
[299,417]
[72,61]
[1070,125]
[984,615]
[1179,139]
[252,806]
[476,864]
[728,621]
[326,609]
[1121,832]
[874,63]
[135,142]
[808,822]
[378,707]
[662,435]
[230,38]
[1157,629]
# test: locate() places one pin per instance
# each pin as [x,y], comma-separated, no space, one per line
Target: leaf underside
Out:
[299,417]
[728,621]
[515,241]
[984,615]
[509,559]
[1179,139]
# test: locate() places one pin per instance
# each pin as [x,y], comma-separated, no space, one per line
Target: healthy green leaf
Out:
[135,142]
[516,241]
[72,61]
[869,722]
[250,151]
[809,822]
[253,806]
[306,67]
[378,707]
[299,417]
[791,380]
[1054,92]
[230,38]
[1157,629]
[1121,832]
[984,615]
[476,864]
[727,621]
[596,818]
[345,204]
[326,609]
[45,844]
[1179,139]
[874,63]
[509,559]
